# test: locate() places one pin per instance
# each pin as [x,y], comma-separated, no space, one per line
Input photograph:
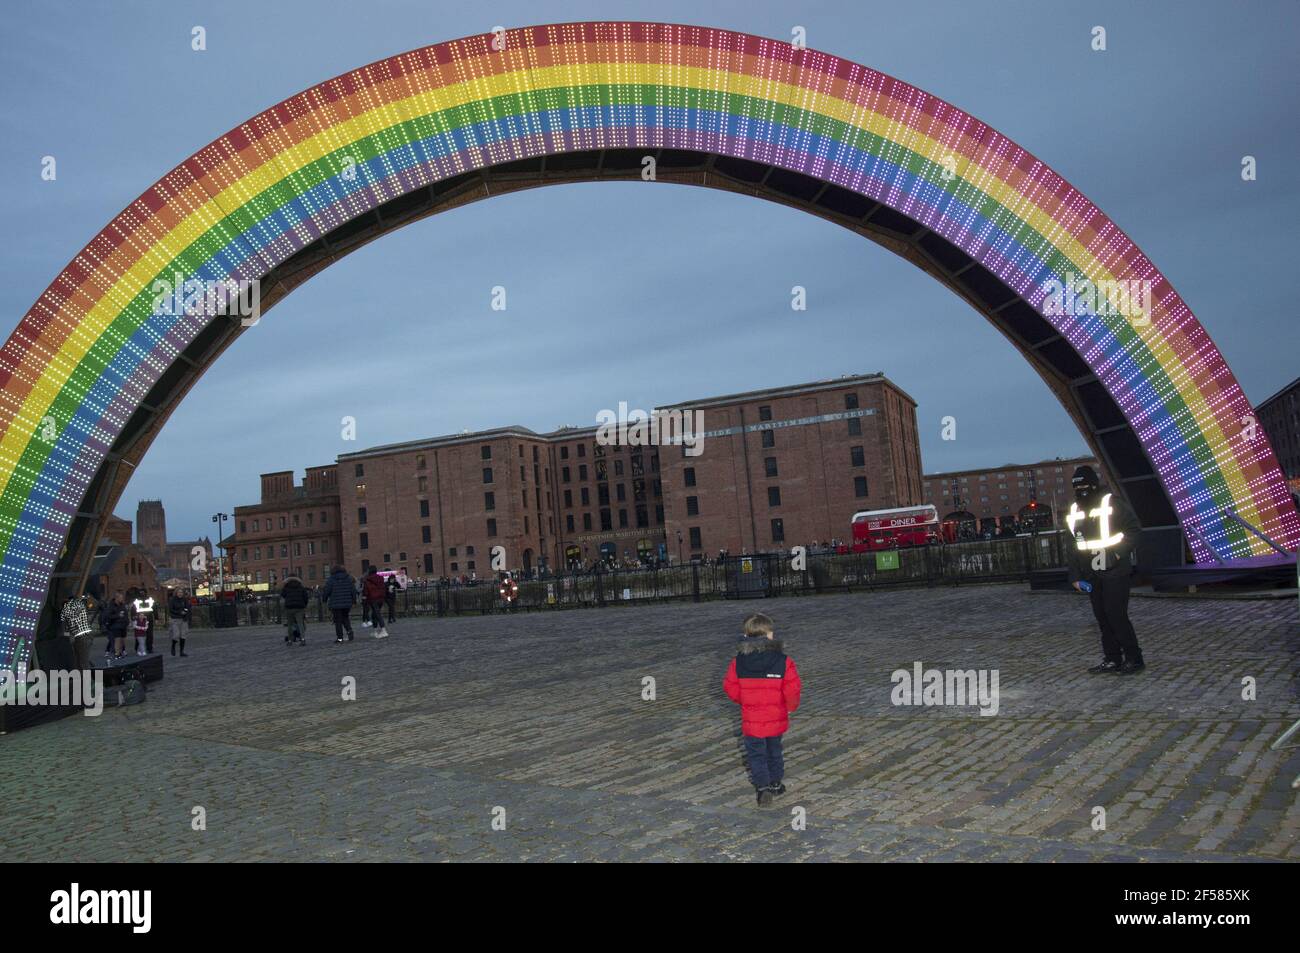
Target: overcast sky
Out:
[655,294]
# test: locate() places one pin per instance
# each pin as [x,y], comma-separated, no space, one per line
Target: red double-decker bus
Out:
[893,529]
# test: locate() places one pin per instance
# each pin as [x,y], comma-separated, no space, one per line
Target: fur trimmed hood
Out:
[758,643]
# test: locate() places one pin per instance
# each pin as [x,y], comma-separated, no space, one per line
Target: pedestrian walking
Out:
[395,583]
[340,594]
[178,616]
[763,680]
[295,597]
[375,591]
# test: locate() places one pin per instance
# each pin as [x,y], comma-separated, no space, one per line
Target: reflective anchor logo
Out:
[1102,515]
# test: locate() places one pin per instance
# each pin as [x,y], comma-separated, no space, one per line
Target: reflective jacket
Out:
[765,682]
[1105,534]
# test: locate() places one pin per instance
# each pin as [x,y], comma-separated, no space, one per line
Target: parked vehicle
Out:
[893,529]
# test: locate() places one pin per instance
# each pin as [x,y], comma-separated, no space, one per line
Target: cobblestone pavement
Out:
[542,715]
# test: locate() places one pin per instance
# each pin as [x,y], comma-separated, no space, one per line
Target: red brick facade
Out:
[439,506]
[1001,493]
[790,466]
[294,529]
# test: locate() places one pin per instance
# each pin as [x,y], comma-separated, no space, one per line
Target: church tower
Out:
[151,528]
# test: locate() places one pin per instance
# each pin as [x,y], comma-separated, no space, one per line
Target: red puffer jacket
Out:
[764,680]
[372,587]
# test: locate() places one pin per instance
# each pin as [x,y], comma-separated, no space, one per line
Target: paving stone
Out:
[541,714]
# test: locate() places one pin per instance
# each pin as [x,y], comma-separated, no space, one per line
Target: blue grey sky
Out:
[655,294]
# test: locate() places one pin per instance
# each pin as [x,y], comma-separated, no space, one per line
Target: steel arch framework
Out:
[94,369]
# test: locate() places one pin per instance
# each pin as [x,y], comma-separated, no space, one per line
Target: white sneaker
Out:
[381,634]
[365,625]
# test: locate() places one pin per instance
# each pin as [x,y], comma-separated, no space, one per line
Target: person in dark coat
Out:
[1106,533]
[394,584]
[763,680]
[295,597]
[374,592]
[113,621]
[178,618]
[340,594]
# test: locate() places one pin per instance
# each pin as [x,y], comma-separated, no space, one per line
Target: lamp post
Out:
[679,547]
[219,519]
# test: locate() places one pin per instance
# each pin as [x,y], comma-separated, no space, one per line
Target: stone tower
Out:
[151,528]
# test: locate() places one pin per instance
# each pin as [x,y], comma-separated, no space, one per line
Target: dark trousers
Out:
[365,611]
[377,614]
[1110,605]
[341,622]
[391,602]
[148,637]
[766,760]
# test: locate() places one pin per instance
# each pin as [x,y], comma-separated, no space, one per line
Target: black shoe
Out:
[1107,667]
[777,789]
[349,636]
[1132,667]
[764,797]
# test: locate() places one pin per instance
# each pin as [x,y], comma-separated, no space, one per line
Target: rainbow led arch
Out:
[91,347]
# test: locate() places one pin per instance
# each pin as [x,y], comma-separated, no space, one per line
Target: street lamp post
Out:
[679,547]
[219,519]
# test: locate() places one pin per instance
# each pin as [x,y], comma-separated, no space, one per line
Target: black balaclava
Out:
[1085,483]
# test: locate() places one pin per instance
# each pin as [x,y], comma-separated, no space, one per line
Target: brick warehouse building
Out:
[791,465]
[294,529]
[995,494]
[1279,415]
[779,467]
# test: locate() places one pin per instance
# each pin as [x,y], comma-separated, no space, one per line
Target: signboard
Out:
[886,559]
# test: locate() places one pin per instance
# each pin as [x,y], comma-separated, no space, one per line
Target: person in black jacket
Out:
[1106,533]
[339,593]
[295,597]
[392,586]
[178,618]
[113,621]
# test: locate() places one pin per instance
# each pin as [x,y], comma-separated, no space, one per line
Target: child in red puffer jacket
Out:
[764,680]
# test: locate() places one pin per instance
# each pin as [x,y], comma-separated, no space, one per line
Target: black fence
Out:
[737,577]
